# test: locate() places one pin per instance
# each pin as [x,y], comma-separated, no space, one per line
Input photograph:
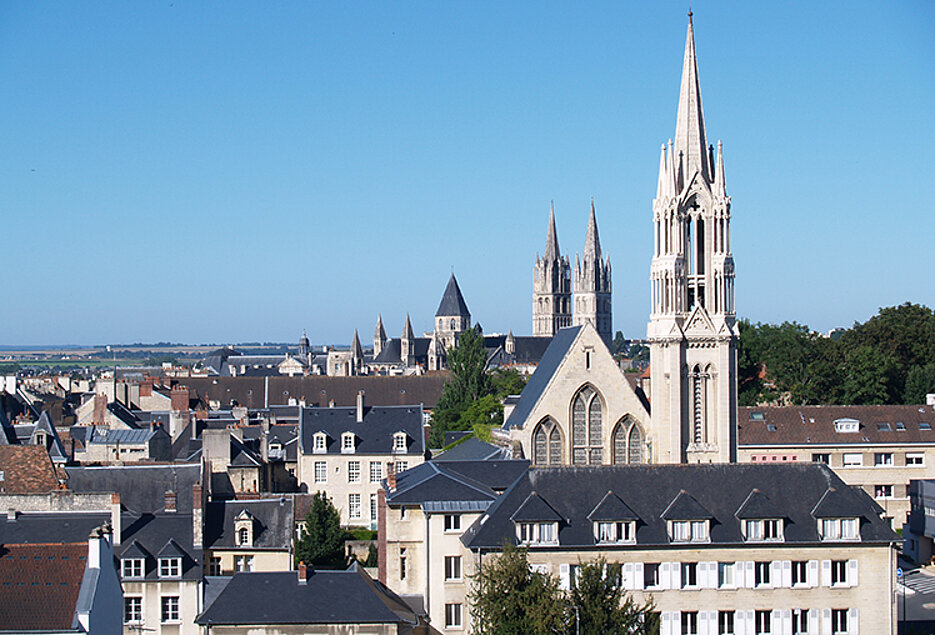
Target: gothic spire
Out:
[592,242]
[380,332]
[720,185]
[551,241]
[357,351]
[407,330]
[690,140]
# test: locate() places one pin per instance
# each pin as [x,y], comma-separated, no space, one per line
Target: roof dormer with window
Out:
[320,442]
[836,518]
[613,521]
[687,521]
[170,560]
[760,519]
[348,443]
[536,522]
[243,529]
[400,442]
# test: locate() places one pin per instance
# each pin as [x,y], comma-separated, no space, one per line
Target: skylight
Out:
[757,416]
[924,426]
[771,427]
[900,426]
[884,426]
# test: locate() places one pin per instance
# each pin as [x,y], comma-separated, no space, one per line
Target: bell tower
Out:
[551,294]
[692,328]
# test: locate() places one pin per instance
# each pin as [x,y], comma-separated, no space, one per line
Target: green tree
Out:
[468,364]
[506,381]
[619,344]
[507,598]
[601,605]
[871,376]
[920,382]
[322,543]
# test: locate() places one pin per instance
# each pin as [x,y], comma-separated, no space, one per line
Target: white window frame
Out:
[852,459]
[839,622]
[614,532]
[452,523]
[883,459]
[882,492]
[688,622]
[453,569]
[169,609]
[453,615]
[401,466]
[319,443]
[353,471]
[243,564]
[762,622]
[535,533]
[839,529]
[727,623]
[321,471]
[727,570]
[132,568]
[374,512]
[915,459]
[399,443]
[347,443]
[689,570]
[132,609]
[170,567]
[353,506]
[376,471]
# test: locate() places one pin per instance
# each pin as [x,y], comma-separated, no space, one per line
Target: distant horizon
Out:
[195,172]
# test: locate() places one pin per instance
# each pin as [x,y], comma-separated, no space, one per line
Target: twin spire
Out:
[592,240]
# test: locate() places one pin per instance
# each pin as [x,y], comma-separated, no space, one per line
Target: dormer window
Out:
[243,529]
[399,442]
[319,443]
[528,533]
[131,568]
[846,425]
[689,531]
[845,529]
[763,530]
[243,536]
[347,443]
[606,532]
[170,567]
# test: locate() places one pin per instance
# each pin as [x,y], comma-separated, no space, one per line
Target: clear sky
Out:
[230,171]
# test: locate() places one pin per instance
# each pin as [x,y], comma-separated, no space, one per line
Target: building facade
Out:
[592,301]
[551,294]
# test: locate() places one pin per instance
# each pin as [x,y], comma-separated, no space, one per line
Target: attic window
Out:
[537,533]
[883,426]
[757,416]
[763,530]
[347,443]
[771,427]
[846,425]
[839,529]
[610,532]
[399,442]
[320,444]
[170,567]
[131,568]
[688,531]
[900,426]
[924,426]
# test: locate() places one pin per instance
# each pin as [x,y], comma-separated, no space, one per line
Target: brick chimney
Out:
[146,387]
[197,517]
[171,502]
[115,517]
[391,476]
[305,572]
[360,406]
[100,409]
[180,398]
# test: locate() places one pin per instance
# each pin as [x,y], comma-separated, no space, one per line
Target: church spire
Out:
[691,144]
[551,241]
[592,242]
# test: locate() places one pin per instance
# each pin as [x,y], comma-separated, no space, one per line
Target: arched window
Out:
[243,536]
[555,447]
[540,446]
[635,445]
[547,444]
[699,404]
[587,416]
[620,443]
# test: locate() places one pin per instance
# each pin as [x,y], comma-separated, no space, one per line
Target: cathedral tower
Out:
[691,333]
[592,285]
[452,317]
[551,290]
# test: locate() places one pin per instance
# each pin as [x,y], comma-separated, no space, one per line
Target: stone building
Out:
[592,285]
[551,294]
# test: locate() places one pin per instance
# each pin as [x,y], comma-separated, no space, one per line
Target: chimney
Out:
[179,398]
[146,387]
[197,517]
[360,406]
[115,517]
[305,572]
[11,514]
[100,409]
[391,476]
[171,501]
[331,404]
[97,546]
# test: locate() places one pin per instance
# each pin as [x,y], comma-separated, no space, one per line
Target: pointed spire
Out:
[551,241]
[379,333]
[452,303]
[592,242]
[357,351]
[407,330]
[690,139]
[720,183]
[661,189]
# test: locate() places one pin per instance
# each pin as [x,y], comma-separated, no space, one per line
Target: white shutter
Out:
[775,574]
[751,622]
[853,622]
[787,574]
[665,623]
[740,622]
[813,573]
[563,577]
[825,573]
[825,621]
[664,576]
[712,617]
[775,621]
[703,622]
[812,621]
[676,623]
[712,575]
[786,622]
[638,575]
[749,576]
[675,570]
[851,573]
[628,576]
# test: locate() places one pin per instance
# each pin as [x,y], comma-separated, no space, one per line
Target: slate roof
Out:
[472,449]
[612,508]
[814,425]
[573,492]
[56,449]
[540,379]
[528,349]
[685,507]
[40,585]
[452,301]
[374,435]
[320,389]
[328,597]
[160,534]
[535,509]
[455,481]
[272,523]
[108,436]
[392,351]
[142,488]
[51,527]
[27,469]
[758,505]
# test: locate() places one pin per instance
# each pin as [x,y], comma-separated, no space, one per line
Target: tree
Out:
[507,598]
[322,543]
[506,381]
[619,344]
[601,606]
[468,364]
[920,382]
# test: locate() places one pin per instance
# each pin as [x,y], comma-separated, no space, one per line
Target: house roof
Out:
[51,527]
[452,301]
[56,449]
[551,360]
[272,523]
[392,350]
[535,509]
[721,489]
[27,469]
[374,435]
[472,449]
[142,488]
[109,436]
[527,349]
[685,507]
[758,505]
[814,425]
[40,585]
[612,508]
[166,535]
[327,597]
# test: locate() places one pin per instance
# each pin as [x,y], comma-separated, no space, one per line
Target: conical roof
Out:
[356,349]
[690,139]
[551,241]
[592,241]
[452,301]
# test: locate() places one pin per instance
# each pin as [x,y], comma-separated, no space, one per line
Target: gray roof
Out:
[452,301]
[142,488]
[373,436]
[328,597]
[573,492]
[47,527]
[527,349]
[535,509]
[758,505]
[437,482]
[392,351]
[540,379]
[472,449]
[272,523]
[160,535]
[685,507]
[56,449]
[612,508]
[103,435]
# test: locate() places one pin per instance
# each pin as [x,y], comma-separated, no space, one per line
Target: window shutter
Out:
[851,573]
[749,574]
[812,573]
[676,623]
[775,574]
[665,577]
[706,575]
[825,621]
[787,574]
[853,622]
[812,621]
[628,576]
[786,622]
[675,570]
[826,573]
[751,622]
[638,575]
[775,621]
[740,622]
[703,622]
[563,577]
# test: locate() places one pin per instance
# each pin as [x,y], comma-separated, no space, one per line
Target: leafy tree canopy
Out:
[322,543]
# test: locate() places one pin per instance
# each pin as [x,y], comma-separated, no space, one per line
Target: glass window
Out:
[353,506]
[319,443]
[353,471]
[376,471]
[452,616]
[726,575]
[452,567]
[402,563]
[849,529]
[347,443]
[681,530]
[373,507]
[401,466]
[853,459]
[883,491]
[132,567]
[525,532]
[699,530]
[821,457]
[170,567]
[839,621]
[799,621]
[689,622]
[838,572]
[883,458]
[321,472]
[650,575]
[243,536]
[915,458]
[725,623]
[762,622]
[689,575]
[761,573]
[214,566]
[399,442]
[799,572]
[452,522]
[132,609]
[170,608]
[546,532]
[243,563]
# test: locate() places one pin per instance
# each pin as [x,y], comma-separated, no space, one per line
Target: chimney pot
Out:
[11,514]
[360,406]
[305,571]
[171,501]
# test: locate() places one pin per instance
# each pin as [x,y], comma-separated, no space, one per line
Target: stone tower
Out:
[592,285]
[304,347]
[379,337]
[551,287]
[692,334]
[452,317]
[407,344]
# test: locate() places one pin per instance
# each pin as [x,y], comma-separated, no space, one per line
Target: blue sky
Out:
[227,171]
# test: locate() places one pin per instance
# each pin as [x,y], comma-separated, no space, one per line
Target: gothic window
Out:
[547,444]
[699,388]
[540,446]
[587,414]
[620,443]
[555,447]
[635,445]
